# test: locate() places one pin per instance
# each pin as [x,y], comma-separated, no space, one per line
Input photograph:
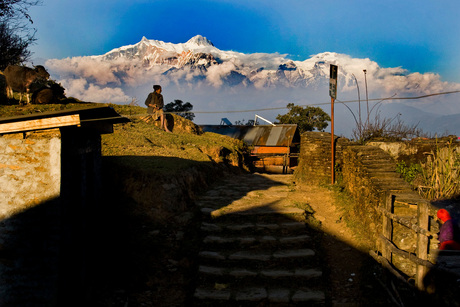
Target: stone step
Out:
[257,255]
[386,169]
[256,248]
[237,276]
[304,273]
[253,227]
[256,294]
[377,160]
[262,210]
[257,240]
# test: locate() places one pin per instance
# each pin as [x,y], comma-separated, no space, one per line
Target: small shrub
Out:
[409,173]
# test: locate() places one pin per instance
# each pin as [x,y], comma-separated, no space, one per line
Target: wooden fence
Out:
[387,248]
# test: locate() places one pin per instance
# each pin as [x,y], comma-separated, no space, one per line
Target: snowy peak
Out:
[147,49]
[200,41]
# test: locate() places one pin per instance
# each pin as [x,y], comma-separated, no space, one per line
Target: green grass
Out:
[17,110]
[145,147]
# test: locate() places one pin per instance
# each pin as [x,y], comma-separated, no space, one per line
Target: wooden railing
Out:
[387,248]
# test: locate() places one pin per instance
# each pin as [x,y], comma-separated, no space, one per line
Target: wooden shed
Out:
[275,147]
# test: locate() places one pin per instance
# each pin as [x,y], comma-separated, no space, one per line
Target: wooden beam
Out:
[422,244]
[270,150]
[405,254]
[405,221]
[382,260]
[387,224]
[39,124]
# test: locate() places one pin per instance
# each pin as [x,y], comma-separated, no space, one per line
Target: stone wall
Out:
[315,157]
[30,181]
[30,170]
[415,150]
[368,173]
[49,185]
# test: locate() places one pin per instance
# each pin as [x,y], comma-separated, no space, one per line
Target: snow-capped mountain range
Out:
[198,70]
[199,59]
[199,62]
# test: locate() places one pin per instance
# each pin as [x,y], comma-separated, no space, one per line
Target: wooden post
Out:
[388,226]
[332,143]
[333,70]
[422,243]
[285,165]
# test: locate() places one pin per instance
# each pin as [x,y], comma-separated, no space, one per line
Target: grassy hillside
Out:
[187,144]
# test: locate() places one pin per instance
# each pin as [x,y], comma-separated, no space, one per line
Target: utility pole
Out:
[333,94]
[367,97]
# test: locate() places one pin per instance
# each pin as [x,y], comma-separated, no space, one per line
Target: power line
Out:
[266,109]
[313,104]
[323,103]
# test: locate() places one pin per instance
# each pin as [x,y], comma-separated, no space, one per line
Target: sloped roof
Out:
[260,135]
[82,117]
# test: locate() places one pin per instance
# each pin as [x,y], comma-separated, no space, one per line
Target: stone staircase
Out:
[256,248]
[380,167]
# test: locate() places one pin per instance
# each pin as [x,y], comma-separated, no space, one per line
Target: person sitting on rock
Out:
[448,233]
[155,104]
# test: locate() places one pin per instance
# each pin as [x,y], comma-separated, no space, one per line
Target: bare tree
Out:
[377,127]
[16,31]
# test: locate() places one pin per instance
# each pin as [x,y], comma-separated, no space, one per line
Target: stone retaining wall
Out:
[415,150]
[368,173]
[315,157]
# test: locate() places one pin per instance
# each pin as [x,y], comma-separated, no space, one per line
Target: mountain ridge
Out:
[218,79]
[198,61]
[198,54]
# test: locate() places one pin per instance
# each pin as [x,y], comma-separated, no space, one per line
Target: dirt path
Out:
[174,261]
[344,255]
[354,278]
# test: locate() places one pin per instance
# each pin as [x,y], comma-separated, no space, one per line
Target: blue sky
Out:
[420,36]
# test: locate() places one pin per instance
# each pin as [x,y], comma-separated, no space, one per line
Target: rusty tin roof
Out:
[260,135]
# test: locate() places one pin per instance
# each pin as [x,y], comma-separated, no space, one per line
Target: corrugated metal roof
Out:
[260,135]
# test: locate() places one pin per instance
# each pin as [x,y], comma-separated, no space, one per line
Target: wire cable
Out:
[320,103]
[283,108]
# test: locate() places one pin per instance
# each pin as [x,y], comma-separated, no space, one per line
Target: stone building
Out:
[49,190]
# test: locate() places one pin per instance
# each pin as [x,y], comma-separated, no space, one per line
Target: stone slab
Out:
[294,253]
[242,273]
[308,296]
[213,294]
[250,255]
[309,273]
[279,295]
[297,239]
[251,294]
[211,270]
[276,273]
[212,255]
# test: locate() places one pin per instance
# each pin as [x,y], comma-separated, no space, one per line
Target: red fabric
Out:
[443,215]
[449,245]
